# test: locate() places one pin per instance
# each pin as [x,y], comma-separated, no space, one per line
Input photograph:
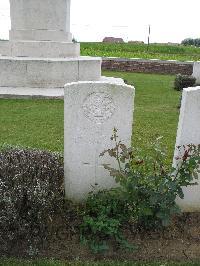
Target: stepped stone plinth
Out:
[40,51]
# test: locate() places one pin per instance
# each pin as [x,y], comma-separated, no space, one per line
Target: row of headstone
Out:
[92,110]
[99,107]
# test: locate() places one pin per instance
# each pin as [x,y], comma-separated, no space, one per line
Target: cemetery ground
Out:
[131,50]
[13,262]
[39,124]
[108,263]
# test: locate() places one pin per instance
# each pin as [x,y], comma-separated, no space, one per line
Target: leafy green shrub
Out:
[183,81]
[31,193]
[145,196]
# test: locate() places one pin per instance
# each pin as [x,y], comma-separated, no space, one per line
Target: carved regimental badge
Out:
[98,107]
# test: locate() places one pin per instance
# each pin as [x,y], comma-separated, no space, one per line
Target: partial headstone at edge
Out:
[189,133]
[196,72]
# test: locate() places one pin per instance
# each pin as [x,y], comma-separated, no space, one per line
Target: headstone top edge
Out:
[80,83]
[191,89]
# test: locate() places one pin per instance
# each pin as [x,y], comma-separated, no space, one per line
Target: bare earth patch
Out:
[179,242]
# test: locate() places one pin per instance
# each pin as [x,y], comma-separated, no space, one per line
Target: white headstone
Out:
[196,72]
[92,110]
[189,133]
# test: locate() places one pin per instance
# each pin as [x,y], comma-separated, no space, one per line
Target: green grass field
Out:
[33,123]
[155,51]
[39,123]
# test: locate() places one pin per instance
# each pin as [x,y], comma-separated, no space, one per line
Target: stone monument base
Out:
[4,47]
[47,72]
[40,35]
[43,93]
[45,49]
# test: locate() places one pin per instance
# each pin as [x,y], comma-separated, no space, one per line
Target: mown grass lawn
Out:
[39,123]
[156,113]
[114,263]
[130,50]
[33,123]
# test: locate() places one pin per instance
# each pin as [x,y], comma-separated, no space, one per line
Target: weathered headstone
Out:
[189,133]
[92,110]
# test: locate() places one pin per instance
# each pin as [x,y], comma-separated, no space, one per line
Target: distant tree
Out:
[190,41]
[197,42]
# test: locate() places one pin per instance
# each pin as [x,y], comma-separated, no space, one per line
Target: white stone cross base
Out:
[92,110]
[189,133]
[47,72]
[39,49]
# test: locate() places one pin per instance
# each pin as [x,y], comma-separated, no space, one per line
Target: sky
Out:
[92,20]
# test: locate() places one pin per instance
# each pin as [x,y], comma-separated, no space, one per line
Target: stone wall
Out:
[147,66]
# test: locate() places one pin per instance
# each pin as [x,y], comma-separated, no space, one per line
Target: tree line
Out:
[190,41]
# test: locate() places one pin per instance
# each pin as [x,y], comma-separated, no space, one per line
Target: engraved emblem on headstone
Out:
[98,107]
